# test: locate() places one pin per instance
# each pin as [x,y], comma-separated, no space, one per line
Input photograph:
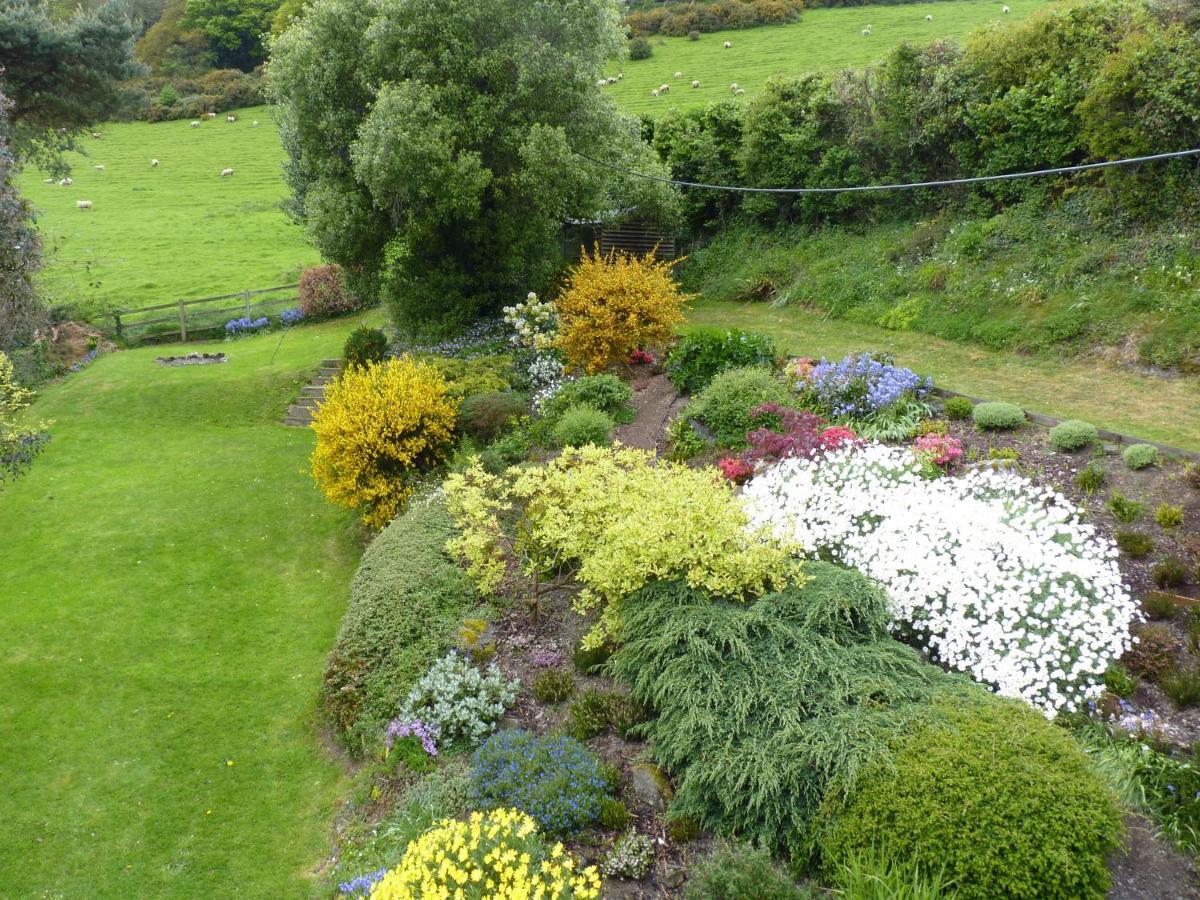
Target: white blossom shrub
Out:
[990,573]
[461,701]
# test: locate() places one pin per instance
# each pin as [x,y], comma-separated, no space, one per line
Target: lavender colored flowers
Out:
[291,316]
[425,733]
[546,659]
[246,325]
[361,886]
[859,385]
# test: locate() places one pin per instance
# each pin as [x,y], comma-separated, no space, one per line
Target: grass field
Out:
[172,582]
[154,235]
[823,40]
[1159,409]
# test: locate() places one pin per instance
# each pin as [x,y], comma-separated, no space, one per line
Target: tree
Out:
[20,442]
[61,76]
[234,28]
[432,146]
[20,252]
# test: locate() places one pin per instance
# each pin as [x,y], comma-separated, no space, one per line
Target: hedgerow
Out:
[406,600]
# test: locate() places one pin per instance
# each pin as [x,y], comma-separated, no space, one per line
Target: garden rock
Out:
[651,786]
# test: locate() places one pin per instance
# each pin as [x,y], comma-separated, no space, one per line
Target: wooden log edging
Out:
[1110,437]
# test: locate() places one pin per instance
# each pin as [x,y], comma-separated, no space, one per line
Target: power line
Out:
[979,179]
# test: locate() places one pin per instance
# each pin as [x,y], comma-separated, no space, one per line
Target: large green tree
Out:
[433,145]
[234,28]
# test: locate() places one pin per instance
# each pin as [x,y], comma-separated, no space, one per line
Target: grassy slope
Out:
[180,230]
[172,583]
[823,40]
[1110,397]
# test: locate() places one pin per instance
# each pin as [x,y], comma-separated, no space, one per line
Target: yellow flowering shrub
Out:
[622,518]
[614,305]
[497,855]
[378,427]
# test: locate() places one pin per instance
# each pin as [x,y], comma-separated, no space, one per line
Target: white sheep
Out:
[254,124]
[734,86]
[602,82]
[97,135]
[739,92]
[194,124]
[211,115]
[47,181]
[100,167]
[654,92]
[728,44]
[695,84]
[678,74]
[929,18]
[231,118]
[83,204]
[664,88]
[1005,10]
[225,173]
[66,182]
[154,163]
[612,79]
[867,31]
[620,75]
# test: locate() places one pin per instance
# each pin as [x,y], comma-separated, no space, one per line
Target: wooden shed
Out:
[628,237]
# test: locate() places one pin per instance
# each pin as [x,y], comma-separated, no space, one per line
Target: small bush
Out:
[704,353]
[684,441]
[1090,478]
[1168,515]
[479,375]
[364,346]
[553,686]
[1192,475]
[1169,573]
[1072,435]
[958,408]
[693,35]
[554,779]
[588,715]
[1139,456]
[1004,453]
[484,417]
[506,451]
[1153,653]
[464,702]
[630,856]
[1006,802]
[1159,606]
[625,714]
[996,415]
[727,405]
[682,829]
[378,428]
[607,393]
[934,427]
[1135,543]
[616,304]
[580,426]
[1119,681]
[741,872]
[640,48]
[1123,509]
[614,815]
[323,292]
[1182,685]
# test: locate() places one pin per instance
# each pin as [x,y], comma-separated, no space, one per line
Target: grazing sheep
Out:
[734,86]
[211,115]
[620,75]
[83,204]
[47,181]
[194,124]
[866,32]
[99,168]
[664,88]
[612,79]
[678,74]
[225,173]
[231,118]
[728,44]
[97,135]
[929,18]
[654,92]
[66,182]
[1005,10]
[154,163]
[695,84]
[254,124]
[738,92]
[602,82]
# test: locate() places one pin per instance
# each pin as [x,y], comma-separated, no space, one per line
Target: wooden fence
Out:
[199,317]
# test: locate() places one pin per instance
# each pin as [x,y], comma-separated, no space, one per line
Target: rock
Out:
[651,786]
[673,877]
[509,723]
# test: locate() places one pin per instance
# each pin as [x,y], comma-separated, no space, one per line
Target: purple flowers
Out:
[291,316]
[246,325]
[426,734]
[545,659]
[361,886]
[860,385]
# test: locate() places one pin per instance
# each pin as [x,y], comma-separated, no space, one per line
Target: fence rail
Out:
[196,316]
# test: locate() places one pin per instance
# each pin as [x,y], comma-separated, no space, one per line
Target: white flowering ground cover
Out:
[993,575]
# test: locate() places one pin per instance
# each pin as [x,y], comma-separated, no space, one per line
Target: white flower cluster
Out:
[534,323]
[463,702]
[992,574]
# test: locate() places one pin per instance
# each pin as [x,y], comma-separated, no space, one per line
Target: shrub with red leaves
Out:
[323,292]
[788,432]
[736,470]
[640,358]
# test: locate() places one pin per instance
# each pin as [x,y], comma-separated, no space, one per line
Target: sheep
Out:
[154,163]
[612,79]
[83,204]
[739,92]
[728,44]
[66,182]
[99,168]
[97,135]
[929,18]
[231,119]
[654,92]
[47,181]
[664,88]
[254,124]
[194,124]
[602,82]
[866,32]
[1005,10]
[211,115]
[734,86]
[678,74]
[225,173]
[695,84]
[620,75]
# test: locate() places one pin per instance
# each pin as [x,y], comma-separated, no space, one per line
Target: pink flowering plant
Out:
[736,470]
[640,358]
[938,453]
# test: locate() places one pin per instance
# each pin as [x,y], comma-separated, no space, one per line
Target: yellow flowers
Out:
[614,305]
[498,855]
[378,427]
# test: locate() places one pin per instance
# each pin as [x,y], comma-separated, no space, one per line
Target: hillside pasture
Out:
[824,40]
[178,230]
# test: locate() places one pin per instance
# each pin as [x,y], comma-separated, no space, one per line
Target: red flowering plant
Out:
[736,470]
[786,432]
[938,453]
[640,358]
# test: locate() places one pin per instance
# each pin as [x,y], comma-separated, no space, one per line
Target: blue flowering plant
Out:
[246,325]
[553,778]
[879,400]
[361,885]
[292,316]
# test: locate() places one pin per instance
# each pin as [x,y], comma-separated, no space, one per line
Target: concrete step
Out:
[298,415]
[313,390]
[331,364]
[307,402]
[324,379]
[329,371]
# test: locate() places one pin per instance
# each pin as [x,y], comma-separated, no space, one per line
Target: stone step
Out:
[322,380]
[313,390]
[331,364]
[298,415]
[307,402]
[330,371]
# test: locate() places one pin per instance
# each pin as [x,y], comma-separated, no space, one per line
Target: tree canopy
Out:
[234,28]
[432,146]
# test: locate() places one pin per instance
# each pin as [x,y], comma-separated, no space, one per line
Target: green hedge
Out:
[406,600]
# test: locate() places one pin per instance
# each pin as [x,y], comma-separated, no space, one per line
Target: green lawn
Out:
[1159,409]
[823,40]
[154,235]
[172,583]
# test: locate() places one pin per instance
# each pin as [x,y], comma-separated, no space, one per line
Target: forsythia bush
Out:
[377,428]
[614,305]
[623,519]
[494,855]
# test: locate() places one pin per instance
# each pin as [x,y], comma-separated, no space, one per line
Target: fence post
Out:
[246,302]
[117,320]
[182,322]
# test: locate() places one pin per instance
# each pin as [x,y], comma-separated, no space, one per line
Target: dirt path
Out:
[657,403]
